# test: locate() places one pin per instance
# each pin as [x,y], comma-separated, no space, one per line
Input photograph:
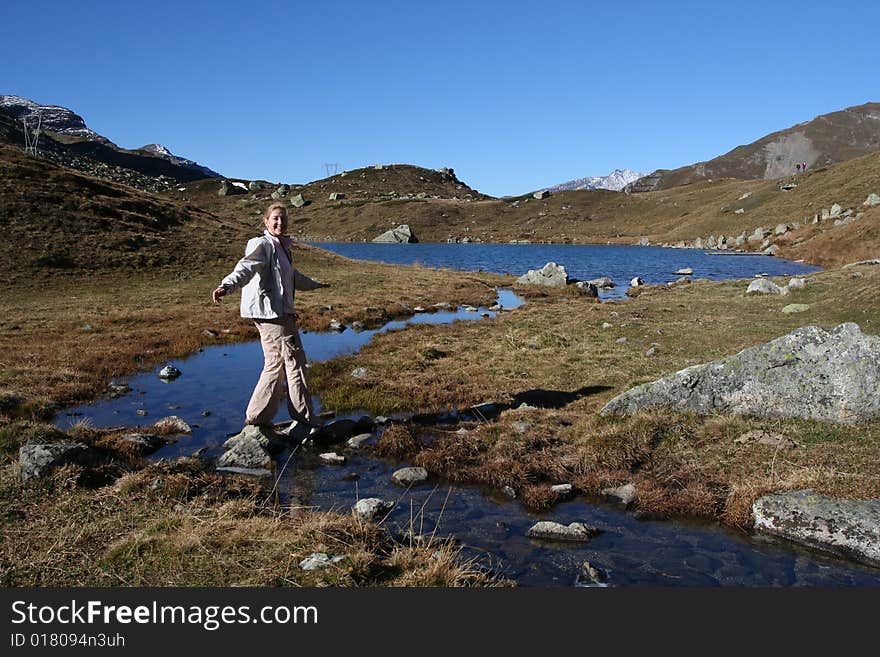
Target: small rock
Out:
[410,476]
[606,325]
[356,441]
[359,372]
[635,282]
[318,560]
[685,271]
[650,352]
[508,492]
[541,195]
[575,531]
[872,200]
[332,458]
[208,333]
[795,308]
[141,412]
[36,460]
[763,437]
[337,196]
[88,328]
[143,443]
[371,508]
[624,495]
[562,490]
[621,340]
[763,286]
[336,325]
[172,423]
[797,284]
[521,427]
[602,282]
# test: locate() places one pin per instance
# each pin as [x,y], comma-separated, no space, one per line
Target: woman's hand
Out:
[216,294]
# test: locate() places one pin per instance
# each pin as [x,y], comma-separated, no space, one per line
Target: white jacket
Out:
[259,276]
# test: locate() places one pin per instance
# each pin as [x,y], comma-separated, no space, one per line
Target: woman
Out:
[268,280]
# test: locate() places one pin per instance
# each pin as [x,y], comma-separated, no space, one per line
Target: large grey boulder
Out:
[848,527]
[810,373]
[228,189]
[400,235]
[551,275]
[37,460]
[602,282]
[872,200]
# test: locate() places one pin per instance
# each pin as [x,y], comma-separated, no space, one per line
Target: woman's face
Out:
[276,223]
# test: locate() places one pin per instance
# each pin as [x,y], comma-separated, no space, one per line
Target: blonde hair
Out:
[276,206]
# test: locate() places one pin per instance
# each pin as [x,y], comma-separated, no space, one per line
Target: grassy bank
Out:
[568,356]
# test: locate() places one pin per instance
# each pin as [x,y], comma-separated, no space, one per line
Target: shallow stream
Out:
[212,393]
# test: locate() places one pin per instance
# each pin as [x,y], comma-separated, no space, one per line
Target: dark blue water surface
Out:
[655,265]
[491,528]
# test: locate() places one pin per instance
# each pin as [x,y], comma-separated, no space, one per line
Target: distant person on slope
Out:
[268,279]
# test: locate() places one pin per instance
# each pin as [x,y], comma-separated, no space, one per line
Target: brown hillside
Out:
[55,219]
[829,138]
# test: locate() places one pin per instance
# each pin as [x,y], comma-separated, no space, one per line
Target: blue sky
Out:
[514,95]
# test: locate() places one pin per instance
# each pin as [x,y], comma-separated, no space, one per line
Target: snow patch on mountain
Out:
[50,117]
[160,151]
[614,181]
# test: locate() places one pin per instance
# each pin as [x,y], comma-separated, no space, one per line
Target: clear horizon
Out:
[514,98]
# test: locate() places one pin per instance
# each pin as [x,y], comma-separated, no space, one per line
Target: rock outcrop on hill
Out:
[827,139]
[810,373]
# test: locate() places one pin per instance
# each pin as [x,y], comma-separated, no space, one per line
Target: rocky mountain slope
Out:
[65,138]
[614,181]
[829,138]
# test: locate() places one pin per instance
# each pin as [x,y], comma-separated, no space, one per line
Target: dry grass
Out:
[180,524]
[556,351]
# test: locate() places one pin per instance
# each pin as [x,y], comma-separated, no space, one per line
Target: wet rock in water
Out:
[763,437]
[587,288]
[685,271]
[37,460]
[793,308]
[169,372]
[336,325]
[576,531]
[357,441]
[172,424]
[143,443]
[763,286]
[318,560]
[343,429]
[141,412]
[250,448]
[359,372]
[624,495]
[848,527]
[372,509]
[562,490]
[590,575]
[117,388]
[410,476]
[602,282]
[636,282]
[551,275]
[809,373]
[508,492]
[332,458]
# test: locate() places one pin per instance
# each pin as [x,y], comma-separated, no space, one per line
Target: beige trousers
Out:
[284,359]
